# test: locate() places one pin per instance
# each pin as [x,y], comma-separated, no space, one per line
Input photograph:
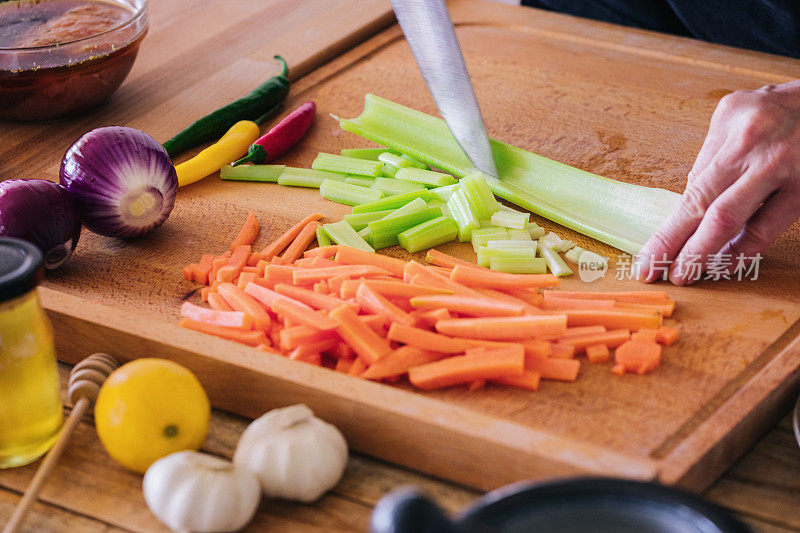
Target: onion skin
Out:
[42,213]
[122,180]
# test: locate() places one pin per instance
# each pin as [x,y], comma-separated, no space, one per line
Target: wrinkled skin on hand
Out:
[744,188]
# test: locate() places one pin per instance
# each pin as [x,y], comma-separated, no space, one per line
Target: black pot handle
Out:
[407,510]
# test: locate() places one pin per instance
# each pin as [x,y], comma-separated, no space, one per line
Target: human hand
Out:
[743,190]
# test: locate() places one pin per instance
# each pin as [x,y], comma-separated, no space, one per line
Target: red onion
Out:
[42,213]
[122,180]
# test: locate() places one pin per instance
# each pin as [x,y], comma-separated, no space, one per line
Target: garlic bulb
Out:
[193,491]
[295,455]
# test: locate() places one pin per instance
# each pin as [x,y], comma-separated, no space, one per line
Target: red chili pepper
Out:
[281,137]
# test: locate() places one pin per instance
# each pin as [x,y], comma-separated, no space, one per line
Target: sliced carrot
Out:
[611,339]
[242,301]
[302,353]
[362,339]
[443,260]
[283,241]
[667,308]
[292,337]
[300,243]
[313,275]
[500,295]
[373,302]
[335,283]
[557,304]
[274,274]
[529,379]
[229,319]
[399,361]
[576,331]
[426,340]
[639,356]
[217,302]
[636,297]
[245,278]
[321,346]
[253,270]
[203,270]
[667,335]
[343,365]
[248,233]
[301,314]
[597,353]
[612,319]
[341,351]
[304,262]
[357,368]
[235,263]
[468,305]
[205,291]
[265,347]
[431,277]
[377,323]
[322,251]
[311,298]
[488,279]
[561,351]
[319,262]
[429,318]
[645,334]
[390,289]
[555,368]
[188,271]
[352,256]
[526,295]
[322,287]
[538,348]
[251,337]
[255,259]
[505,328]
[467,368]
[441,270]
[618,369]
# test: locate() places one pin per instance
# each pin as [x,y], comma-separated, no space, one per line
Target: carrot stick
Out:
[245,278]
[205,291]
[322,287]
[237,261]
[472,277]
[313,275]
[500,295]
[341,351]
[250,337]
[638,356]
[292,337]
[554,368]
[557,304]
[249,232]
[364,341]
[229,319]
[448,261]
[430,317]
[241,301]
[357,368]
[636,297]
[561,351]
[274,274]
[318,262]
[645,334]
[343,365]
[426,340]
[399,361]
[335,283]
[302,353]
[390,289]
[311,298]
[667,308]
[413,269]
[611,339]
[572,332]
[526,295]
[305,262]
[529,379]
[268,297]
[505,328]
[297,312]
[538,348]
[188,271]
[597,353]
[277,246]
[217,302]
[300,243]
[612,319]
[352,256]
[322,251]
[373,302]
[667,335]
[466,305]
[203,269]
[468,368]
[216,264]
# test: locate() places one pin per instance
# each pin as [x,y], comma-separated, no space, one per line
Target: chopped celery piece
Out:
[361,181]
[323,239]
[519,235]
[504,207]
[463,215]
[388,158]
[487,224]
[370,154]
[414,205]
[556,265]
[388,171]
[507,219]
[573,255]
[384,231]
[551,240]
[483,258]
[593,260]
[441,205]
[536,232]
[344,193]
[483,235]
[428,234]
[295,171]
[360,221]
[346,165]
[444,193]
[305,177]
[365,234]
[391,186]
[261,173]
[511,245]
[392,202]
[341,233]
[518,265]
[566,246]
[479,194]
[414,162]
[621,214]
[426,177]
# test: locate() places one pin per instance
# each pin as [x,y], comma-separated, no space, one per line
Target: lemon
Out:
[150,408]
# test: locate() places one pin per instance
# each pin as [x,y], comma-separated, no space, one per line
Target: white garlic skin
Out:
[295,455]
[196,492]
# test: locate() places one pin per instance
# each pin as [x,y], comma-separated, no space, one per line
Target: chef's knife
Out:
[432,39]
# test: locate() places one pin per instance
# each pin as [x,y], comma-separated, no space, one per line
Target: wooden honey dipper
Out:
[84,384]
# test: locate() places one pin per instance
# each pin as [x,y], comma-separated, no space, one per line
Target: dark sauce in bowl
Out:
[61,57]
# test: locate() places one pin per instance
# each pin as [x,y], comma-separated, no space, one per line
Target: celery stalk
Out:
[508,244]
[414,205]
[508,219]
[391,186]
[479,194]
[384,232]
[463,215]
[620,214]
[388,158]
[323,239]
[518,264]
[573,255]
[428,234]
[305,177]
[519,235]
[556,265]
[344,193]
[365,234]
[388,171]
[414,162]
[370,154]
[426,177]
[443,206]
[535,230]
[444,193]
[360,221]
[483,235]
[392,202]
[346,165]
[341,233]
[261,173]
[361,181]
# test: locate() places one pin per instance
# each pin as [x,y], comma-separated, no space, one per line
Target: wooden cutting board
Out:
[623,103]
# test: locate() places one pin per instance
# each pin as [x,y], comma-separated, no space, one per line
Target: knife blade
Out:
[430,35]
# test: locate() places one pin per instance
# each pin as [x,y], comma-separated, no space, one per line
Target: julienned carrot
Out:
[352,256]
[572,332]
[373,302]
[313,275]
[292,337]
[322,287]
[526,295]
[241,301]
[274,274]
[639,356]
[357,368]
[343,365]
[305,262]
[448,261]
[426,340]
[529,379]
[235,263]
[561,351]
[597,353]
[229,319]
[319,262]
[188,271]
[430,317]
[342,351]
[467,305]
[203,269]
[611,339]
[217,302]
[461,369]
[538,348]
[554,368]
[216,264]
[413,269]
[667,335]
[251,337]
[300,243]
[248,233]
[472,277]
[306,356]
[245,278]
[390,289]
[283,241]
[667,308]
[363,340]
[310,298]
[637,297]
[322,251]
[645,334]
[613,319]
[505,328]
[335,283]
[557,304]
[399,361]
[299,313]
[500,295]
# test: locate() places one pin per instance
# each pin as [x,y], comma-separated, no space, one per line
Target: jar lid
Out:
[20,267]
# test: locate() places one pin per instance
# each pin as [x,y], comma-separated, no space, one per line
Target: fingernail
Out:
[639,268]
[677,276]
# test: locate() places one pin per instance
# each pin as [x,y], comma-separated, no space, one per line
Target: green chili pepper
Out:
[211,127]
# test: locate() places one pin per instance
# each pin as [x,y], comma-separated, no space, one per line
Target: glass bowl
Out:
[48,81]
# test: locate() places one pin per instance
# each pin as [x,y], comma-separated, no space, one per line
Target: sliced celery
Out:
[391,186]
[361,181]
[551,240]
[444,193]
[573,255]
[479,194]
[519,235]
[344,193]
[360,221]
[346,165]
[426,177]
[508,219]
[392,202]
[341,233]
[388,158]
[414,205]
[620,214]
[428,234]
[504,207]
[511,245]
[370,154]
[483,235]
[296,171]
[261,173]
[514,264]
[388,171]
[365,234]
[305,177]
[323,239]
[463,215]
[384,232]
[566,246]
[593,260]
[556,265]
[535,230]
[441,205]
[414,162]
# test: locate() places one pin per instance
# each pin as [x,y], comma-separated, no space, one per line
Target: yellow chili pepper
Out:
[229,147]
